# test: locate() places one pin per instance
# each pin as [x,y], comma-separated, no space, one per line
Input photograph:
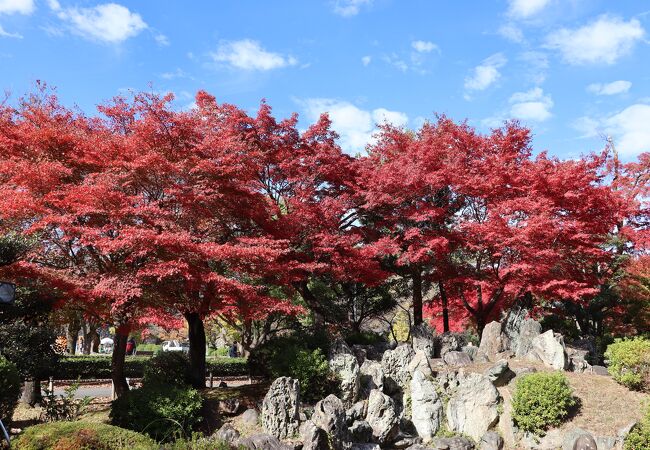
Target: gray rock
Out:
[472,408]
[471,350]
[491,441]
[453,443]
[230,407]
[313,437]
[578,439]
[420,362]
[622,432]
[605,443]
[457,359]
[356,412]
[360,353]
[426,406]
[262,441]
[492,341]
[424,339]
[405,441]
[367,446]
[372,377]
[549,348]
[329,415]
[600,370]
[346,367]
[523,342]
[395,364]
[552,440]
[382,417]
[280,408]
[227,433]
[577,359]
[450,342]
[500,374]
[250,416]
[361,431]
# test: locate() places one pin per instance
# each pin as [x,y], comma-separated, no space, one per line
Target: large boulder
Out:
[426,406]
[346,367]
[261,441]
[500,373]
[227,433]
[522,342]
[424,339]
[420,362]
[329,415]
[356,412]
[395,364]
[457,359]
[579,439]
[450,342]
[549,348]
[492,341]
[453,443]
[382,417]
[313,437]
[491,441]
[472,408]
[361,431]
[281,408]
[371,377]
[577,359]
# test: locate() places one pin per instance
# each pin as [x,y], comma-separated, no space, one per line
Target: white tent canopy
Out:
[106,341]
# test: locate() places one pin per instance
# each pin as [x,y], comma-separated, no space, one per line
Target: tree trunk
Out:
[312,303]
[95,343]
[197,348]
[90,332]
[72,335]
[117,360]
[480,325]
[417,297]
[445,307]
[31,392]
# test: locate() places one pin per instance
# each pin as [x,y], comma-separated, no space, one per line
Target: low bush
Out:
[296,356]
[639,436]
[162,412]
[219,352]
[81,435]
[155,348]
[541,400]
[170,368]
[629,362]
[91,367]
[9,389]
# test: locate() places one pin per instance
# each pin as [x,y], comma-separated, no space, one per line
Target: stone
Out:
[313,437]
[261,441]
[360,353]
[329,415]
[500,374]
[471,350]
[549,348]
[520,331]
[366,446]
[605,442]
[578,439]
[622,432]
[361,431]
[230,407]
[395,364]
[421,363]
[371,377]
[280,408]
[227,433]
[492,341]
[424,339]
[600,370]
[453,443]
[404,441]
[491,441]
[356,412]
[457,359]
[382,417]
[250,417]
[426,406]
[346,367]
[577,360]
[450,342]
[472,408]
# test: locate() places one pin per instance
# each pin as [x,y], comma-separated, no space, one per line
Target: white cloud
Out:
[629,129]
[247,54]
[531,105]
[613,88]
[512,33]
[394,60]
[349,8]
[366,60]
[109,22]
[485,74]
[354,125]
[4,33]
[536,66]
[524,9]
[25,7]
[424,46]
[161,40]
[604,41]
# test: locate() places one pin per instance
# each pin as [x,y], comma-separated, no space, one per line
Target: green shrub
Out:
[197,442]
[149,348]
[364,338]
[9,389]
[629,362]
[170,368]
[93,367]
[162,412]
[639,437]
[541,400]
[220,352]
[63,407]
[80,436]
[299,357]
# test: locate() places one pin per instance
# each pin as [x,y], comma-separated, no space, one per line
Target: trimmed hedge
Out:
[629,362]
[81,435]
[94,367]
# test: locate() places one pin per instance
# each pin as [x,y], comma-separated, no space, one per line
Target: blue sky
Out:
[572,70]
